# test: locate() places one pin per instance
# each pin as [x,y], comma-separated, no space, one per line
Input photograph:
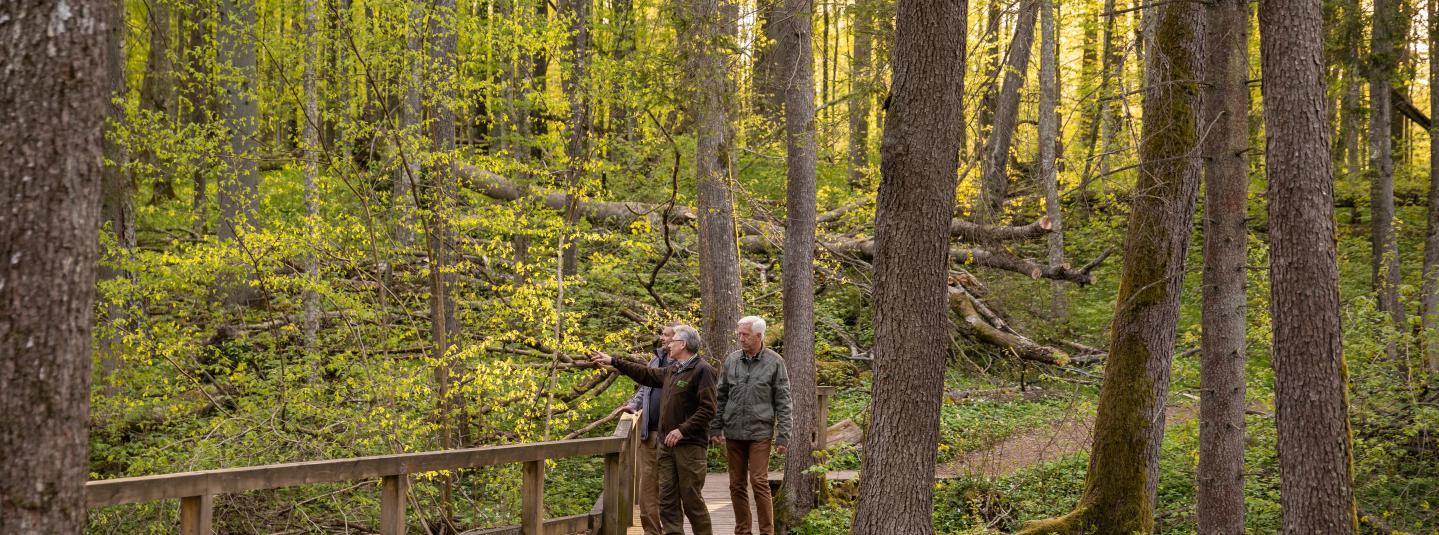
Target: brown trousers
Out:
[649,494]
[749,467]
[682,482]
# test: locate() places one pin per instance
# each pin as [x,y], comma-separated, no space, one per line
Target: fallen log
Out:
[976,328]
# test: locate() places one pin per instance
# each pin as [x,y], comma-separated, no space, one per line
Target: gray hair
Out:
[756,324]
[690,336]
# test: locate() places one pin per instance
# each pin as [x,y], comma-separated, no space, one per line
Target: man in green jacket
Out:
[753,413]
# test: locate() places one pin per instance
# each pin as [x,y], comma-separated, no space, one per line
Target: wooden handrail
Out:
[197,489]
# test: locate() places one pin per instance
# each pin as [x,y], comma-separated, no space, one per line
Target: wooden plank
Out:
[197,514]
[532,499]
[564,525]
[821,436]
[230,480]
[393,491]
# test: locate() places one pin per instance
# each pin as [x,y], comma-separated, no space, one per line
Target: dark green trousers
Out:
[682,481]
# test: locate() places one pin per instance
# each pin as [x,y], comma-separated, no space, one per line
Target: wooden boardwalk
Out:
[721,510]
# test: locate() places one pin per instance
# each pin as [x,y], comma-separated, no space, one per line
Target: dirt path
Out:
[1065,436]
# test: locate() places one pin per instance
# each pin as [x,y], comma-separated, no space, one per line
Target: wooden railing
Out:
[612,515]
[196,490]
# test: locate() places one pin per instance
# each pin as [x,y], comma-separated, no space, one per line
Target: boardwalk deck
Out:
[717,500]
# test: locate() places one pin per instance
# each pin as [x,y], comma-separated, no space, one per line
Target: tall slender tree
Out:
[919,163]
[861,83]
[117,198]
[1226,202]
[1384,265]
[54,103]
[1429,300]
[439,174]
[702,35]
[1121,484]
[994,168]
[1049,147]
[801,488]
[239,185]
[1311,406]
[311,135]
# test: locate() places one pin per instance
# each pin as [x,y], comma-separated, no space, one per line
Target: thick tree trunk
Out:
[1123,477]
[1430,297]
[1048,148]
[919,162]
[1226,203]
[994,181]
[861,82]
[1384,266]
[701,37]
[801,489]
[407,174]
[1311,405]
[53,103]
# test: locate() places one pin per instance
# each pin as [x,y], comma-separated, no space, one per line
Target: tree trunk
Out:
[311,323]
[439,176]
[157,89]
[801,489]
[919,162]
[1048,148]
[994,181]
[1226,203]
[1430,299]
[622,115]
[117,197]
[990,41]
[54,105]
[238,191]
[1120,487]
[1311,405]
[767,80]
[200,98]
[1384,266]
[577,146]
[701,38]
[861,82]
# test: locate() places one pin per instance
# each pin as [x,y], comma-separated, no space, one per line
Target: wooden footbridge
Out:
[613,513]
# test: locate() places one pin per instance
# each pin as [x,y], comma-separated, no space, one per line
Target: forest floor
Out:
[1068,435]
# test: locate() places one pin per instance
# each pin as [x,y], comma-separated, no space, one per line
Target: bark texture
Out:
[801,489]
[861,83]
[239,186]
[1048,148]
[1310,398]
[1384,265]
[53,101]
[117,197]
[1430,289]
[994,180]
[1123,476]
[702,32]
[1226,201]
[919,161]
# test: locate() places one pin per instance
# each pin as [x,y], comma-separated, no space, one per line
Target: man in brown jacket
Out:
[686,408]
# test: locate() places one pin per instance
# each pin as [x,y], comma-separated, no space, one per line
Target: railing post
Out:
[613,494]
[821,425]
[196,514]
[532,499]
[393,491]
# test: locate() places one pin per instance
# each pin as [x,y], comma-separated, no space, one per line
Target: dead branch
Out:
[974,326]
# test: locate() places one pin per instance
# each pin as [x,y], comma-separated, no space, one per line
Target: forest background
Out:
[338,228]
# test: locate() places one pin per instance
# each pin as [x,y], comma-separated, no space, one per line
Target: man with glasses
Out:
[754,412]
[686,406]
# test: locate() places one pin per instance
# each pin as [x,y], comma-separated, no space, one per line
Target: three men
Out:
[687,405]
[754,413]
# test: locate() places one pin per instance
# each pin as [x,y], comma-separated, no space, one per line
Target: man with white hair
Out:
[753,413]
